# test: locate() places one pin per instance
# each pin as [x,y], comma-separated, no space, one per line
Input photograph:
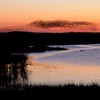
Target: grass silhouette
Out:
[70,90]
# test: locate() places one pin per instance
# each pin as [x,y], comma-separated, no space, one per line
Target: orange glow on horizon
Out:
[17,12]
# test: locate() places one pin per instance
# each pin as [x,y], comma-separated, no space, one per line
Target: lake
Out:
[55,65]
[78,64]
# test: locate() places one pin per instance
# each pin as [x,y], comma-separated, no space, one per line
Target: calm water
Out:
[78,64]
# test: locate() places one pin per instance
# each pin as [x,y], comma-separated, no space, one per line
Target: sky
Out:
[20,12]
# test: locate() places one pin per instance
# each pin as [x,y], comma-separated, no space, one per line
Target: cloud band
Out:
[59,24]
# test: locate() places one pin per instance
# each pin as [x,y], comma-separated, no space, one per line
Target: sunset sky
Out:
[20,12]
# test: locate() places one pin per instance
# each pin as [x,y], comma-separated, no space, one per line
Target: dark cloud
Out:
[59,23]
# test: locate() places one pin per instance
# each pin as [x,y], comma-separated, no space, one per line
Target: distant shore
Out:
[21,41]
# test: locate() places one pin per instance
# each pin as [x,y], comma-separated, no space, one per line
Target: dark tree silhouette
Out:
[13,69]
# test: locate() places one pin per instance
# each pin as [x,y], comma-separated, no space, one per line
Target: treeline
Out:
[22,40]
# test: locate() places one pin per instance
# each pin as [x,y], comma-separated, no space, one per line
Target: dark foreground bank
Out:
[50,91]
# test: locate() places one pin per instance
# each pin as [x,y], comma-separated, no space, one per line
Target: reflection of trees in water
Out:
[13,69]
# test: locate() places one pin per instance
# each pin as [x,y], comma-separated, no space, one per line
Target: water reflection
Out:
[60,74]
[13,69]
[78,65]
